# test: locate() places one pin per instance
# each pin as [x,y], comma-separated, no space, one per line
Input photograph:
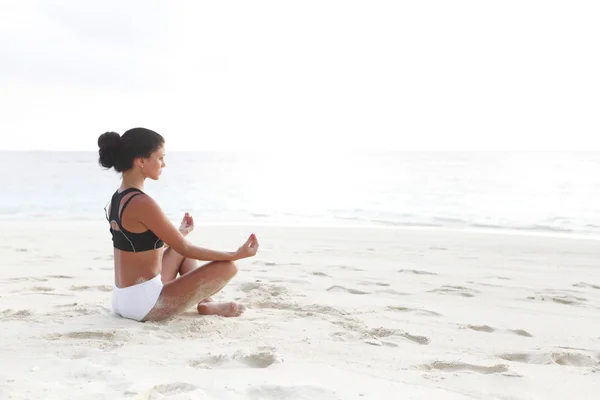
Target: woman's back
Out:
[137,250]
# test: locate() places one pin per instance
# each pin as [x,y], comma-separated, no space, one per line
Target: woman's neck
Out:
[132,181]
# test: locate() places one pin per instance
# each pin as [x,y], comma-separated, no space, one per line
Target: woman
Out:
[146,284]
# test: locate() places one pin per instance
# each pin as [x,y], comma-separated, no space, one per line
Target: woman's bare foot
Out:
[207,300]
[230,309]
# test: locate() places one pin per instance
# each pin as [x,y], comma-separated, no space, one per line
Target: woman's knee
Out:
[227,269]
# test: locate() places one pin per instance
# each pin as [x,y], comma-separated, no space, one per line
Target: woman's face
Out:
[154,164]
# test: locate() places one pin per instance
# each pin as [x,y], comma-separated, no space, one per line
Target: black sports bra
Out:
[123,239]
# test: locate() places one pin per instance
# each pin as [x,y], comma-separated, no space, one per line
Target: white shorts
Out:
[135,302]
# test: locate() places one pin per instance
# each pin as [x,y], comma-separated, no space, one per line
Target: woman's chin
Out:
[155,177]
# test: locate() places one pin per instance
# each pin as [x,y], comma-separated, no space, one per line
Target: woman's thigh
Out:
[171,263]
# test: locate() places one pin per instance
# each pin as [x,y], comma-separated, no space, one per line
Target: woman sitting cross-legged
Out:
[147,286]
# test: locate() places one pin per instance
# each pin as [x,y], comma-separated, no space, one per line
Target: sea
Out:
[553,193]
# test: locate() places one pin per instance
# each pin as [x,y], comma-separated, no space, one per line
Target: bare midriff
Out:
[134,268]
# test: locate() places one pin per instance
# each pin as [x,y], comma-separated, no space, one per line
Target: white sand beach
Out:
[333,313]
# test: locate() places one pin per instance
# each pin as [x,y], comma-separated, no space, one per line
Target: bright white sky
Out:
[265,75]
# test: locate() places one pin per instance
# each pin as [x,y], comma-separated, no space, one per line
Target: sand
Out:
[333,313]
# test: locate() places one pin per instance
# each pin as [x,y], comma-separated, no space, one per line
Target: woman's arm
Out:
[186,226]
[150,214]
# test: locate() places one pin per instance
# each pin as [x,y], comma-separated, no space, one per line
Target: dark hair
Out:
[119,151]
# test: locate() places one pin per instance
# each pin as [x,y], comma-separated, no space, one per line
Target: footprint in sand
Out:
[560,291]
[374,336]
[482,328]
[297,281]
[28,278]
[41,289]
[60,276]
[66,305]
[484,284]
[520,332]
[554,358]
[345,336]
[44,292]
[104,340]
[71,310]
[264,263]
[377,342]
[586,285]
[418,311]
[345,267]
[172,389]
[567,300]
[277,392]
[354,336]
[97,335]
[272,290]
[260,359]
[394,292]
[366,283]
[101,288]
[11,315]
[454,290]
[504,278]
[461,367]
[306,310]
[341,289]
[201,364]
[386,332]
[415,272]
[489,329]
[318,273]
[273,264]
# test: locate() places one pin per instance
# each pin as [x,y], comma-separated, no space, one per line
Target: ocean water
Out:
[551,192]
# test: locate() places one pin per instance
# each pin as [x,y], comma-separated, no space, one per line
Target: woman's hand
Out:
[187,224]
[248,249]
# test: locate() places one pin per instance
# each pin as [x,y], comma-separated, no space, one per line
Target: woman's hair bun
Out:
[109,144]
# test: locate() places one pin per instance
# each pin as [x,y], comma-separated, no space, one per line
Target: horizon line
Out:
[325,151]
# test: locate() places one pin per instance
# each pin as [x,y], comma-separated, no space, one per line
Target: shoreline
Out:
[37,221]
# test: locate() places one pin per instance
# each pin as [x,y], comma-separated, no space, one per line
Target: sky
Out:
[300,76]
